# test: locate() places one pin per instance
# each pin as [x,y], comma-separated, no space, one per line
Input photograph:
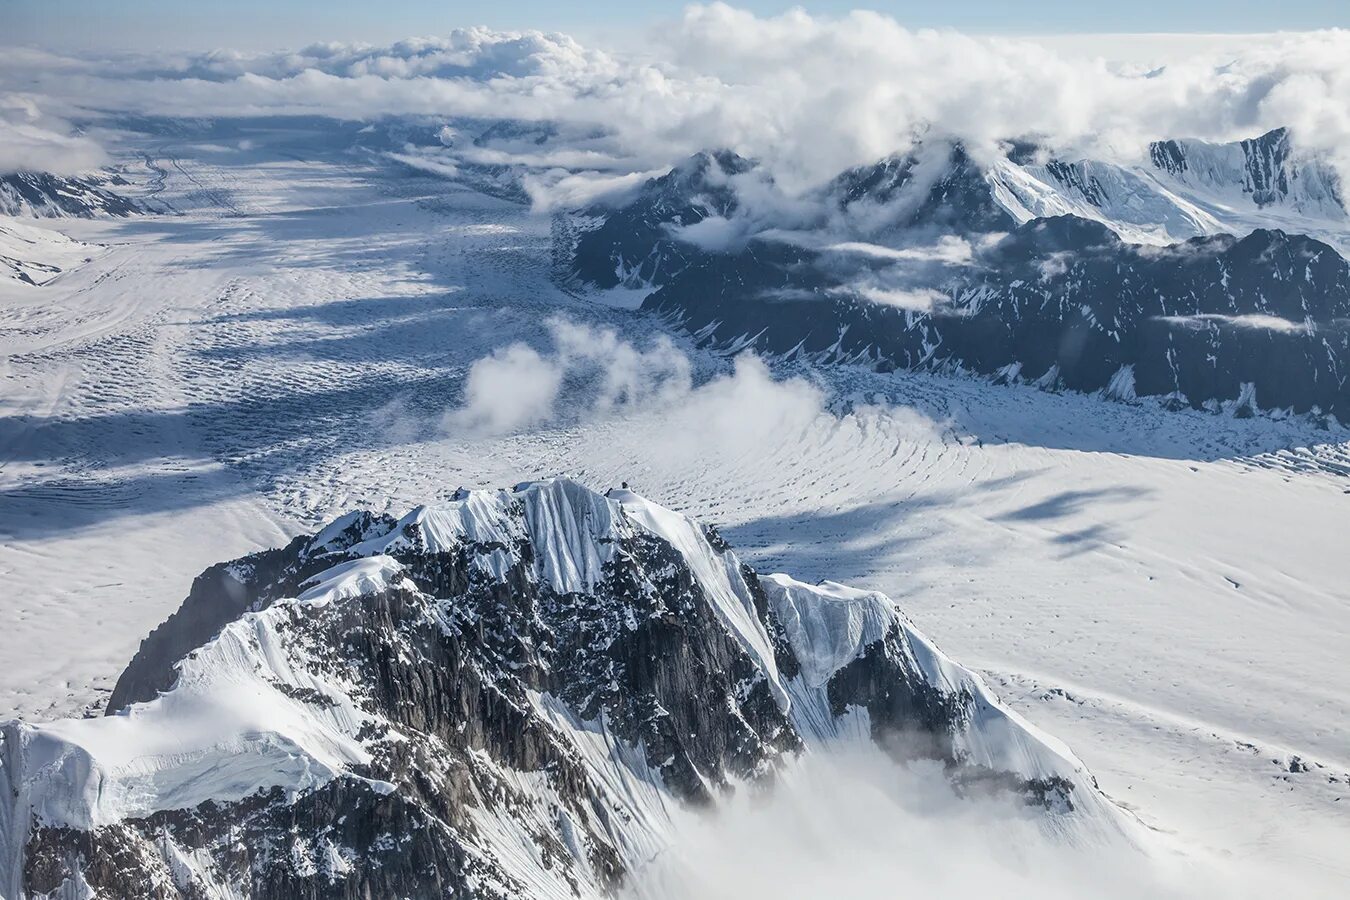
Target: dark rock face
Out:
[1065,297]
[1169,156]
[219,595]
[1267,166]
[635,242]
[1257,322]
[940,186]
[1075,176]
[443,675]
[45,195]
[267,850]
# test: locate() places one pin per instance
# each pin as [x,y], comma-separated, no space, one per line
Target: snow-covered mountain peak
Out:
[1265,171]
[454,697]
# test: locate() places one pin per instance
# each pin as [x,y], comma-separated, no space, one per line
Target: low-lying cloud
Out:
[1253,322]
[589,371]
[919,300]
[950,249]
[32,141]
[591,375]
[513,389]
[856,824]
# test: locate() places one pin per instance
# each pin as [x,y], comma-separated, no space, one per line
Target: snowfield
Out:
[1164,592]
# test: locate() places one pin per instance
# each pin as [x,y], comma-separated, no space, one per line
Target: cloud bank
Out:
[808,95]
[32,141]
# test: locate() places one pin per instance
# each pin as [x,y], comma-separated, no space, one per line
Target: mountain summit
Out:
[504,695]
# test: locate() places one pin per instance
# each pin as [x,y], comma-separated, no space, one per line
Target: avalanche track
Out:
[1164,591]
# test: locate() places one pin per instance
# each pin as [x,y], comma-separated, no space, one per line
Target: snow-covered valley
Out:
[1163,591]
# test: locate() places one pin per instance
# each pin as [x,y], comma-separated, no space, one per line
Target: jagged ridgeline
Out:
[48,196]
[502,696]
[1211,276]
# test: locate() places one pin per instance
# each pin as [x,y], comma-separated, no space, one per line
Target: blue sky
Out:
[262,24]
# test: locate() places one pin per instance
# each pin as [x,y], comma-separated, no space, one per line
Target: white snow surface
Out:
[1164,592]
[33,255]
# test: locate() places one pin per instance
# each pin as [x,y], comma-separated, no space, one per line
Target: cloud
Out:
[913,299]
[561,189]
[33,141]
[609,372]
[949,249]
[714,233]
[736,413]
[808,95]
[856,824]
[588,372]
[1253,321]
[591,373]
[510,390]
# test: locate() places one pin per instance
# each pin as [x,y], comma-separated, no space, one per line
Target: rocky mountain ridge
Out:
[46,196]
[1067,275]
[504,695]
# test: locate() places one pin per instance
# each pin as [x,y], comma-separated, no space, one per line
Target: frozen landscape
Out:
[307,317]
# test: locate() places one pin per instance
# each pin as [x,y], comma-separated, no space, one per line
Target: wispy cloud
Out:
[31,140]
[588,371]
[857,824]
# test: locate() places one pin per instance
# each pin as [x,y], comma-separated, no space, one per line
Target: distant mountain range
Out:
[1211,276]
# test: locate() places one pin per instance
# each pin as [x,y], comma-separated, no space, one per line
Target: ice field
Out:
[1164,591]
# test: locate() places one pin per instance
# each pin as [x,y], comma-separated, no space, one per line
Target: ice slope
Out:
[1162,590]
[830,625]
[34,256]
[1134,203]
